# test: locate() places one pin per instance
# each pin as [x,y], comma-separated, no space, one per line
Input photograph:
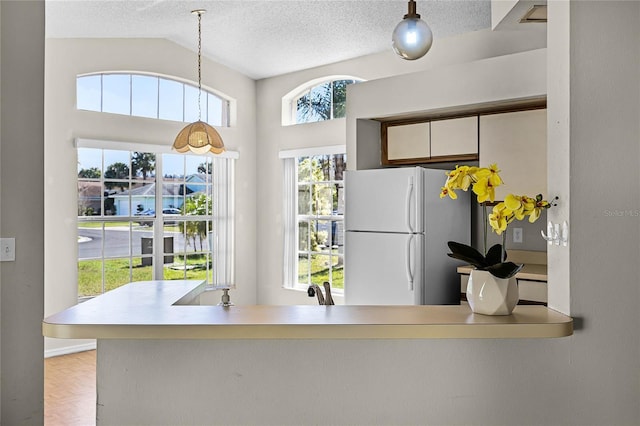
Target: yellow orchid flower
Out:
[444,191]
[498,218]
[484,190]
[459,178]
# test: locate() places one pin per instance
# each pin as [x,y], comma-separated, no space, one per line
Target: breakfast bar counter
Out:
[165,310]
[164,359]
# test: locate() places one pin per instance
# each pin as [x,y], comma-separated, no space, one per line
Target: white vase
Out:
[490,295]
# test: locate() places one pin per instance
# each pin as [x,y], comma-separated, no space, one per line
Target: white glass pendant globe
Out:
[412,38]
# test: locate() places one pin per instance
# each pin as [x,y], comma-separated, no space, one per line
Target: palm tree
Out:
[144,163]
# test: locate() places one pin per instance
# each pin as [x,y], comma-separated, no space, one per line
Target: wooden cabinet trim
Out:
[384,125]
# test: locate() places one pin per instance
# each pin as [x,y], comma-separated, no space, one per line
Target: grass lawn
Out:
[118,273]
[319,265]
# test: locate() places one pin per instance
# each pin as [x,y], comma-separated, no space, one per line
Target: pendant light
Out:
[412,37]
[199,137]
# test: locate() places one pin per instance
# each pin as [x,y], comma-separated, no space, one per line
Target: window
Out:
[318,101]
[149,96]
[129,231]
[314,212]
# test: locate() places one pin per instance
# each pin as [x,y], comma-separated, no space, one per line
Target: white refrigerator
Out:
[396,233]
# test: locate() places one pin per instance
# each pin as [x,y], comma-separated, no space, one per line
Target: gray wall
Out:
[21,196]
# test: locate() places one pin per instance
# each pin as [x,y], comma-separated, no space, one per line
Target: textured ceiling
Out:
[263,38]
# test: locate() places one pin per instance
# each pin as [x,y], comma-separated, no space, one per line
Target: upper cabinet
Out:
[433,141]
[517,143]
[408,142]
[454,137]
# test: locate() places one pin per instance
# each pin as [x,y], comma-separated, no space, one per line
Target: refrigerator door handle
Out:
[409,266]
[408,204]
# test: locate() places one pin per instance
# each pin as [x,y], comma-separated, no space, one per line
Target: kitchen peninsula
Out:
[164,359]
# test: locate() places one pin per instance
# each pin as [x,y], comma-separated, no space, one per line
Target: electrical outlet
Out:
[7,249]
[517,235]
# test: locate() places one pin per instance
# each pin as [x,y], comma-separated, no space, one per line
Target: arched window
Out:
[319,100]
[151,96]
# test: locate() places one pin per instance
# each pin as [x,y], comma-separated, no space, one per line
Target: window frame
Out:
[206,99]
[221,218]
[292,217]
[290,100]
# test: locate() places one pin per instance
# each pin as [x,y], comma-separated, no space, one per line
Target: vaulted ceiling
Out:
[263,38]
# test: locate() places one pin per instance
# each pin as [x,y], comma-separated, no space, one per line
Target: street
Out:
[117,241]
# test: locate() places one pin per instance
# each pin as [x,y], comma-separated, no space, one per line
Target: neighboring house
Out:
[143,197]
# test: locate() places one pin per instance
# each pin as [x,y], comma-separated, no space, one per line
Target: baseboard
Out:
[70,349]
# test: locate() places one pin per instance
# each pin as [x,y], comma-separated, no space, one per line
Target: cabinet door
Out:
[408,142]
[457,136]
[517,142]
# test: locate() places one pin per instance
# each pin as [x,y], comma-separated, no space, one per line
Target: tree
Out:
[92,173]
[143,163]
[116,171]
[205,167]
[322,101]
[197,205]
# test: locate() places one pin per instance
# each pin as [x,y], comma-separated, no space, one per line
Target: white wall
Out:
[66,58]
[590,378]
[273,137]
[21,202]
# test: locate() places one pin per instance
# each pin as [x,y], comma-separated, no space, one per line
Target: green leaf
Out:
[504,270]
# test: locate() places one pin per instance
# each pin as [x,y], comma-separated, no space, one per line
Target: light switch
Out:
[7,249]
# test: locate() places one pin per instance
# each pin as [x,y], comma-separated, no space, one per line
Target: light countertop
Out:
[161,310]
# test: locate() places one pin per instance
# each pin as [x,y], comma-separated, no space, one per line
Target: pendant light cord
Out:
[199,65]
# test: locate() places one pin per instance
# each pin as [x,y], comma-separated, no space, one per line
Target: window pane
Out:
[320,267]
[191,104]
[320,103]
[322,167]
[140,272]
[89,198]
[89,163]
[322,198]
[89,240]
[89,92]
[172,195]
[142,242]
[195,164]
[304,169]
[117,272]
[303,109]
[116,198]
[170,101]
[303,268]
[144,96]
[337,272]
[304,199]
[196,235]
[116,92]
[116,164]
[303,236]
[319,235]
[339,165]
[173,166]
[89,278]
[143,165]
[215,110]
[340,98]
[197,265]
[117,239]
